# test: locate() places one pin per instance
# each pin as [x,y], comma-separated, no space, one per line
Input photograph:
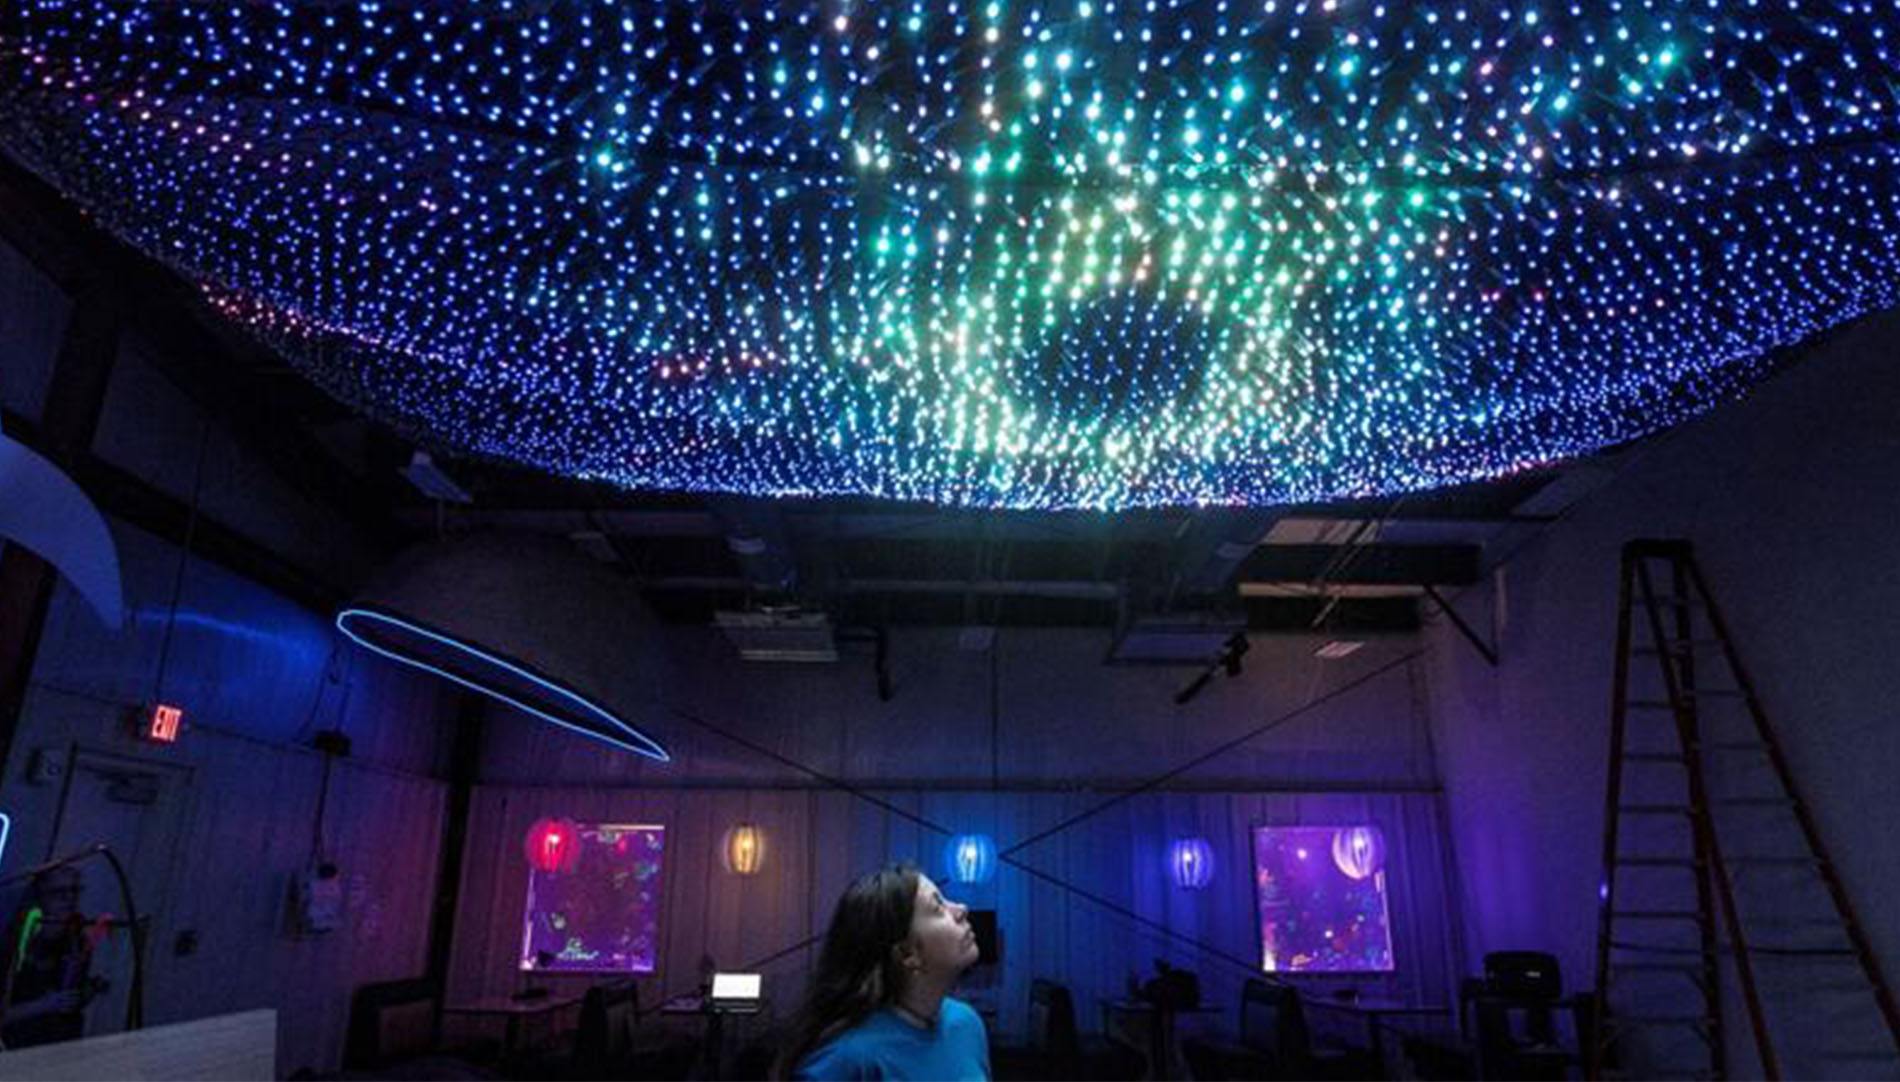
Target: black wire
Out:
[1218,750]
[317,855]
[135,997]
[184,559]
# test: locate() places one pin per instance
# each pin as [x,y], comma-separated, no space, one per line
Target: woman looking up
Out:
[879,1005]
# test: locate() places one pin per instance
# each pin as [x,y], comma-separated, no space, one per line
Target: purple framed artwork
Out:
[601,912]
[1321,898]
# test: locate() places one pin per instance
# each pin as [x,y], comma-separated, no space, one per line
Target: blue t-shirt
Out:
[884,1046]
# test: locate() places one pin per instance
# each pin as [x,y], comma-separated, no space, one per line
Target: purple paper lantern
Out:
[1191,862]
[971,858]
[1358,851]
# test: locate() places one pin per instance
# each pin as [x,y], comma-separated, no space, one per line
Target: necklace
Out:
[916,1019]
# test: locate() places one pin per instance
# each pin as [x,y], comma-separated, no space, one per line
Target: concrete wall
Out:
[1790,498]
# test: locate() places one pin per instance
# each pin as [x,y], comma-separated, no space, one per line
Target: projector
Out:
[428,479]
[1186,640]
[779,635]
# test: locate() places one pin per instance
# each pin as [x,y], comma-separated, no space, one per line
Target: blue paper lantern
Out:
[1191,862]
[971,858]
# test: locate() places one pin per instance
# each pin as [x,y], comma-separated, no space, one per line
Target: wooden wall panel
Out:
[820,839]
[254,674]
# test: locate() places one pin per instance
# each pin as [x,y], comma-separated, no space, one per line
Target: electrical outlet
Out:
[46,767]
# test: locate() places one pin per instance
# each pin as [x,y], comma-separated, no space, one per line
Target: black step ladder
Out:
[1660,952]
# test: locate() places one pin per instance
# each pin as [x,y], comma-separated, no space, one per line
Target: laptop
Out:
[736,993]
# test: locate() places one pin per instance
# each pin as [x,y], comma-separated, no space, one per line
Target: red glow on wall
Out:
[163,724]
[553,845]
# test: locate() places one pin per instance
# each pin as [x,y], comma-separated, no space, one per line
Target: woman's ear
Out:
[907,956]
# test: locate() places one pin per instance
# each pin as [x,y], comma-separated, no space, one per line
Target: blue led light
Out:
[1037,254]
[488,673]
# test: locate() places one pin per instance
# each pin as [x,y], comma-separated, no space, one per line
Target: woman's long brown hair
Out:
[858,970]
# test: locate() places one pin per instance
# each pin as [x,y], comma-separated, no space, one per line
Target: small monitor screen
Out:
[1321,898]
[729,986]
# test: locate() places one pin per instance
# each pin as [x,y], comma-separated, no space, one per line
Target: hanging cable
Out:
[184,559]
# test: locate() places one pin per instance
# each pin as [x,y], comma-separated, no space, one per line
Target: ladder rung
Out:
[1661,967]
[1662,1019]
[1755,802]
[1675,646]
[1655,914]
[1806,952]
[1779,862]
[1659,948]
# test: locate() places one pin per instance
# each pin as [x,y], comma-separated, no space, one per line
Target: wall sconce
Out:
[971,858]
[553,845]
[1191,862]
[744,849]
[1359,852]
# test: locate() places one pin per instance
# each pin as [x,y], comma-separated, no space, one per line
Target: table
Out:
[1160,1031]
[1377,1014]
[514,1010]
[712,1050]
[242,1045]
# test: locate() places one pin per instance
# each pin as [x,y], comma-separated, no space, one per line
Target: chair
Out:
[1273,1043]
[390,1022]
[395,1031]
[608,1042]
[603,1039]
[1066,1054]
[1515,1010]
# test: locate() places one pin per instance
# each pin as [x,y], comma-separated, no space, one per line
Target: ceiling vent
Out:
[771,635]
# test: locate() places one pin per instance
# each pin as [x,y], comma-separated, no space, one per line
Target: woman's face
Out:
[940,934]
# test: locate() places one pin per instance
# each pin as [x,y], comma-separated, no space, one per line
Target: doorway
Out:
[136,808]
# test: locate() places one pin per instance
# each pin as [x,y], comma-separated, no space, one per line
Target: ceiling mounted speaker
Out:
[527,620]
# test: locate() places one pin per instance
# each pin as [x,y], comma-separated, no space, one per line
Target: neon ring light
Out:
[480,669]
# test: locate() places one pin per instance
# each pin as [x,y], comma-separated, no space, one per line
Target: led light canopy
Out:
[1097,253]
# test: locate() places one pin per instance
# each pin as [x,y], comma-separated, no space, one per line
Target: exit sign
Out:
[162,724]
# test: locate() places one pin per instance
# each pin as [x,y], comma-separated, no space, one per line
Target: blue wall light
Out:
[491,674]
[970,858]
[1191,863]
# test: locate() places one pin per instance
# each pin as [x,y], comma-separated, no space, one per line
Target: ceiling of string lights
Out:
[1080,253]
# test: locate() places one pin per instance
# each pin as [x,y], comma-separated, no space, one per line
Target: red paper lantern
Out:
[553,845]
